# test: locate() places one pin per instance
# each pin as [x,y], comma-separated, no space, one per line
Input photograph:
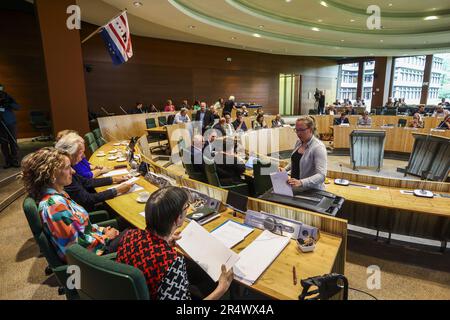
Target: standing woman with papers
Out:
[168,275]
[309,159]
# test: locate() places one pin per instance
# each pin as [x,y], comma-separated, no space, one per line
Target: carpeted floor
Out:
[406,273]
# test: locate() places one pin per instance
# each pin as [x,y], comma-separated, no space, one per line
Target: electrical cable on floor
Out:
[364,292]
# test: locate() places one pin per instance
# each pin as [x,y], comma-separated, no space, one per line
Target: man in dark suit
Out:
[321,103]
[230,104]
[342,119]
[239,124]
[204,116]
[8,131]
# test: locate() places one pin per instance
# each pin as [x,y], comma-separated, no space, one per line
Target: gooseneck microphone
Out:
[342,181]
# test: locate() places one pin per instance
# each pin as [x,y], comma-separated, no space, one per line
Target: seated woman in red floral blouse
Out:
[167,273]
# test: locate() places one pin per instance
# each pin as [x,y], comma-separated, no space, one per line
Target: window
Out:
[409,84]
[347,81]
[369,69]
[439,86]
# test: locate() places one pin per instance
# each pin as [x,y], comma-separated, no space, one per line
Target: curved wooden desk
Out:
[276,281]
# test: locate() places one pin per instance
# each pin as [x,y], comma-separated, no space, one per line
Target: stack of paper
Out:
[208,252]
[258,256]
[134,188]
[120,172]
[280,184]
[231,233]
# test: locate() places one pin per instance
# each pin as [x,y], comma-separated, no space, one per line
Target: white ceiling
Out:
[340,27]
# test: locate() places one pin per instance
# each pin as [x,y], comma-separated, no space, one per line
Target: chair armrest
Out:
[98,216]
[110,256]
[109,223]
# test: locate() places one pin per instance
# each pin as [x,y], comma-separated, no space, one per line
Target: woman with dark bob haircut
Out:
[152,250]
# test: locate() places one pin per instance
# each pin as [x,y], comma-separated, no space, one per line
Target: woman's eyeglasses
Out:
[300,130]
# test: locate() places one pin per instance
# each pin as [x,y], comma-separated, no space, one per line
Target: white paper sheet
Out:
[120,172]
[231,233]
[258,256]
[207,251]
[280,184]
[134,188]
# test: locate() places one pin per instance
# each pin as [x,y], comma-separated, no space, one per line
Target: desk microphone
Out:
[123,110]
[341,181]
[106,112]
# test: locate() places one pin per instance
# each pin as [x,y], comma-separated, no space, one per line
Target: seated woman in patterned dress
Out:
[45,173]
[169,276]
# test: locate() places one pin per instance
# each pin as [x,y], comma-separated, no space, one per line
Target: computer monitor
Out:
[237,202]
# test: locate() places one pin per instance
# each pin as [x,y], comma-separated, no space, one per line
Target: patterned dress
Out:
[66,223]
[164,270]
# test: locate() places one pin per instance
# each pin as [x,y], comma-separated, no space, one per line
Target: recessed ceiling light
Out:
[390,4]
[381,40]
[191,27]
[261,26]
[288,0]
[315,29]
[371,54]
[320,20]
[431,18]
[342,40]
[352,20]
[233,38]
[137,4]
[323,3]
[257,35]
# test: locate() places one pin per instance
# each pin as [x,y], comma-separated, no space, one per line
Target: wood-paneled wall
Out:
[22,68]
[162,69]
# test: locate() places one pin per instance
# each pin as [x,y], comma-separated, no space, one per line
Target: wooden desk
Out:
[397,139]
[276,281]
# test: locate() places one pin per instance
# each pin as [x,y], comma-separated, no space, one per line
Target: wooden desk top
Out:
[391,198]
[276,282]
[386,197]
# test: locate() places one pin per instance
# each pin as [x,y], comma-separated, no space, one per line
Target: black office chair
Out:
[312,112]
[262,182]
[190,168]
[170,119]
[402,123]
[390,112]
[213,179]
[40,122]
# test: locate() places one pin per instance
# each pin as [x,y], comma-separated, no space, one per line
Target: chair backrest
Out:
[93,147]
[211,173]
[312,111]
[190,168]
[105,279]
[100,141]
[170,119]
[402,122]
[261,172]
[162,121]
[390,111]
[150,122]
[34,221]
[38,118]
[89,138]
[97,133]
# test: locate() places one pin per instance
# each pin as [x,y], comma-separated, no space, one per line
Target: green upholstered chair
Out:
[262,182]
[190,169]
[150,122]
[55,265]
[105,279]
[98,137]
[90,141]
[213,179]
[162,121]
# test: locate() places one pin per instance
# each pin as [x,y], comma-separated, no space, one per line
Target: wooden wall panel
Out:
[22,68]
[192,71]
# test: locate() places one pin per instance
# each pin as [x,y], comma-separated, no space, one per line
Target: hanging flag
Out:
[116,35]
